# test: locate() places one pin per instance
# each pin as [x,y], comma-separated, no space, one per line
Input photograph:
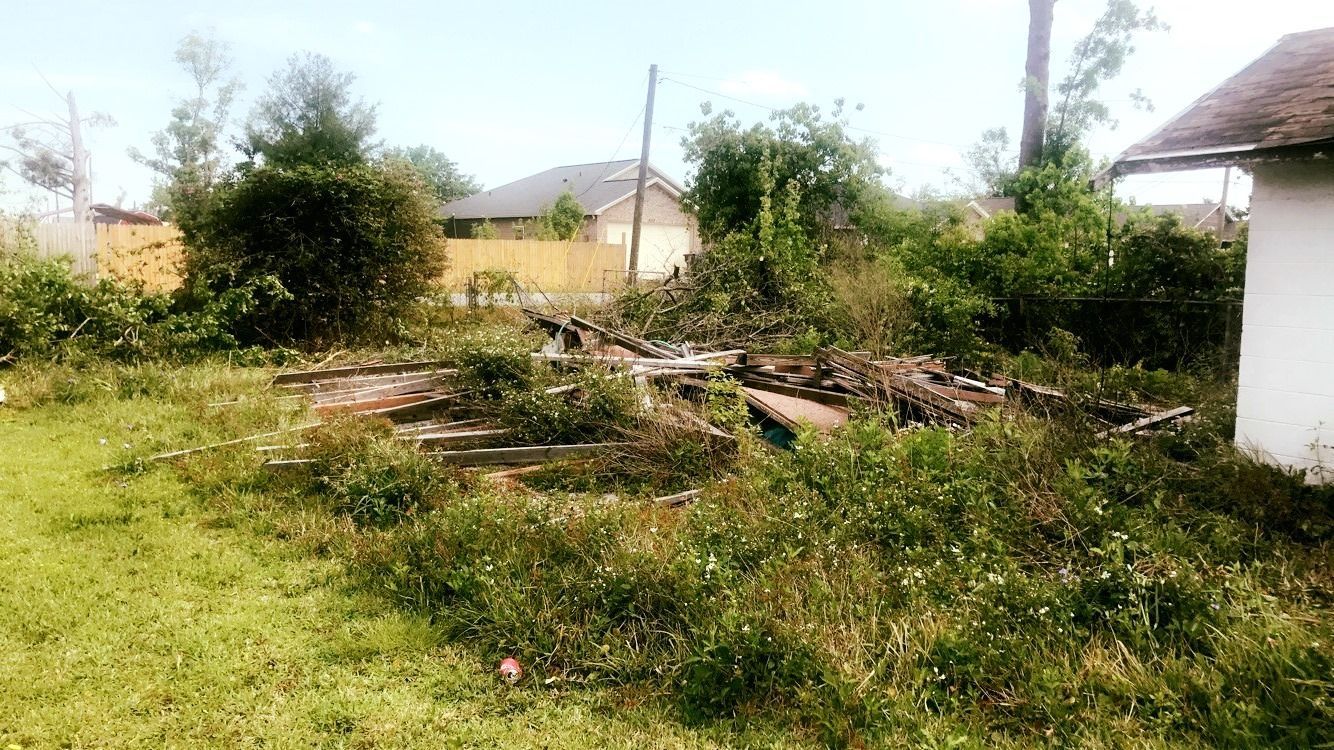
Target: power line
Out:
[775,109]
[619,146]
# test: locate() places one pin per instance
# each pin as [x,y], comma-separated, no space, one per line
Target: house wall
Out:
[660,207]
[1285,398]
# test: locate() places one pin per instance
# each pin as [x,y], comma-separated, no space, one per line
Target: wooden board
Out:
[307,376]
[523,455]
[790,411]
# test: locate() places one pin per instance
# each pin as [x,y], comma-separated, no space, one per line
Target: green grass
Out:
[1015,585]
[133,613]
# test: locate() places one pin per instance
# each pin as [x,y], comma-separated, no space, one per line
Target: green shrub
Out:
[592,413]
[352,245]
[368,474]
[492,359]
[45,312]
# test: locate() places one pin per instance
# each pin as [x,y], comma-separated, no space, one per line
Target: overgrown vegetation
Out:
[47,314]
[1016,584]
[350,246]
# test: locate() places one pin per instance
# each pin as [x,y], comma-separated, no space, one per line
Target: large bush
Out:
[351,245]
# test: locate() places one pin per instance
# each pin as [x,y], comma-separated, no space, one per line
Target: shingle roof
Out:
[1284,98]
[596,185]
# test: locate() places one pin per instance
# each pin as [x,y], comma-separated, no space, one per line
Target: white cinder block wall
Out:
[1285,399]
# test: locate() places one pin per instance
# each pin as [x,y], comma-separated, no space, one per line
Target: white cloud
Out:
[763,83]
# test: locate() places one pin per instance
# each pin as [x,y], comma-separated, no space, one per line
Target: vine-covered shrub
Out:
[46,312]
[353,246]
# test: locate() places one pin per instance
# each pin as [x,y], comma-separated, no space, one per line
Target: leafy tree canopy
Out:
[440,172]
[309,116]
[186,154]
[1098,58]
[829,169]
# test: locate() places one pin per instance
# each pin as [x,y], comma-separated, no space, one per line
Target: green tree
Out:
[1098,58]
[990,165]
[186,155]
[439,171]
[485,230]
[352,245]
[733,165]
[309,116]
[561,220]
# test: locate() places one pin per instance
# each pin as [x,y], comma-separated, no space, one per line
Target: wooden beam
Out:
[451,438]
[355,395]
[1147,422]
[188,451]
[678,499]
[524,455]
[307,376]
[593,359]
[374,406]
[356,383]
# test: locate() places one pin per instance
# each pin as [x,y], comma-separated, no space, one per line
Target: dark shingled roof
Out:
[1285,98]
[590,183]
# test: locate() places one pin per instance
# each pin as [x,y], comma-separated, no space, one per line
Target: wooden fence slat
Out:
[153,255]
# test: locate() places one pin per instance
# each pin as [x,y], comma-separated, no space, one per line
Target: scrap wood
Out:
[790,411]
[188,451]
[368,381]
[458,436]
[634,344]
[354,395]
[678,499]
[376,406]
[432,425]
[819,395]
[306,376]
[649,362]
[505,475]
[524,454]
[432,403]
[1144,423]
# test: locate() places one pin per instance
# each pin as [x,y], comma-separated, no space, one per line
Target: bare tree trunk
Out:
[80,183]
[1037,74]
[80,192]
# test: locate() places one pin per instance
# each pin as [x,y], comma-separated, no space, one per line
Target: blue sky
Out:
[511,88]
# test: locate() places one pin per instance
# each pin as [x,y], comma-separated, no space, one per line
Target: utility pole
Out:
[643,175]
[1222,205]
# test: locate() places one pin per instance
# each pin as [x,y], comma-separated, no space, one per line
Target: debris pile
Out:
[431,408]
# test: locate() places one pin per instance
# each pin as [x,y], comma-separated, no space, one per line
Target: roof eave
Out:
[1211,158]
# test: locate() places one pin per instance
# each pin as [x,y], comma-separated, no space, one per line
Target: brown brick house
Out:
[607,192]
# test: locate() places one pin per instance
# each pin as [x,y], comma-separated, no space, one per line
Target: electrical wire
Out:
[619,146]
[776,109]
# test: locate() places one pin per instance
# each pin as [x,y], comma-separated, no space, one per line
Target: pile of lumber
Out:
[430,409]
[821,388]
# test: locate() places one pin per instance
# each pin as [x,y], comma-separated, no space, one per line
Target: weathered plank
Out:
[524,455]
[306,376]
[1146,422]
[791,411]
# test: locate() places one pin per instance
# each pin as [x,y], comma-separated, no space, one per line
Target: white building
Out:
[1275,119]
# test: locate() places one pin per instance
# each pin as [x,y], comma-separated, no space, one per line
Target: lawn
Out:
[134,614]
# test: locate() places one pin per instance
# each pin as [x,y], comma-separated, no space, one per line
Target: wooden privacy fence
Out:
[535,264]
[150,254]
[153,255]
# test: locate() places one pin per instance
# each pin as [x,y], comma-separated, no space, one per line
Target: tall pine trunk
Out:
[1037,74]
